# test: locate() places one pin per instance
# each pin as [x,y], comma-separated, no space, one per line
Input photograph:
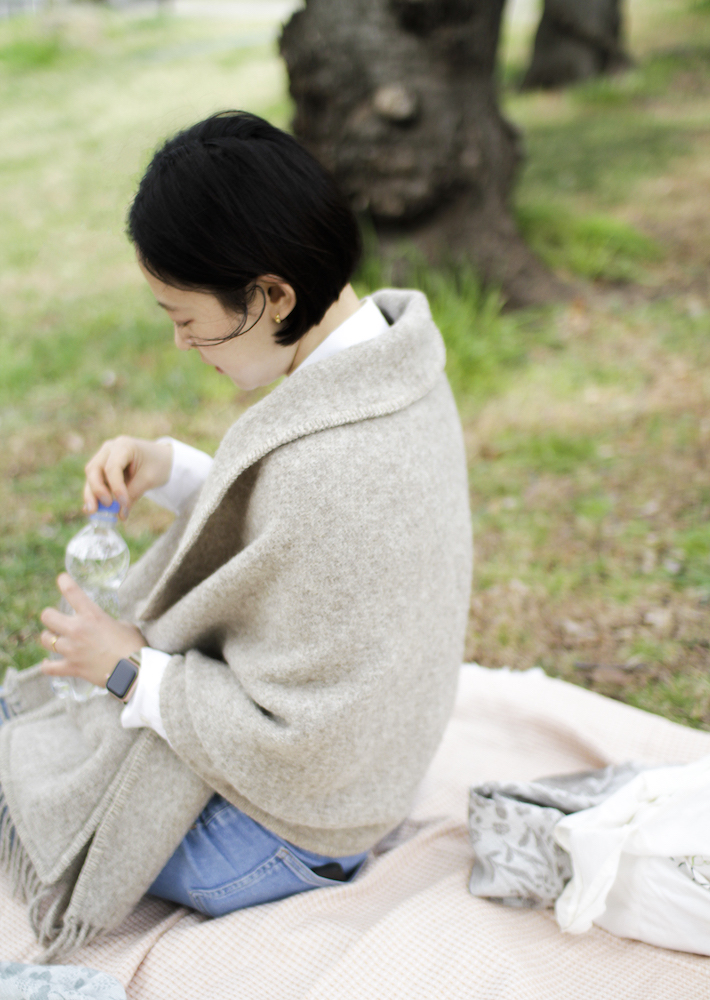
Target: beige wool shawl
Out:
[314,599]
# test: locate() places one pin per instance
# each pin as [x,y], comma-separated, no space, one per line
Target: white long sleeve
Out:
[188,472]
[143,707]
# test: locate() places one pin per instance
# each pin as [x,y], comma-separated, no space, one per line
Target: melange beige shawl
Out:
[315,599]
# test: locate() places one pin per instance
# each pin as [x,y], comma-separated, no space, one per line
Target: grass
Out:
[586,423]
[591,246]
[85,94]
[26,54]
[484,345]
[589,470]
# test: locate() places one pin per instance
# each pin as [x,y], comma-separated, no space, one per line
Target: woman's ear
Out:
[280,296]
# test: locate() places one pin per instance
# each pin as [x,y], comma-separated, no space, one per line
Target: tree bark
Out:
[576,40]
[397,98]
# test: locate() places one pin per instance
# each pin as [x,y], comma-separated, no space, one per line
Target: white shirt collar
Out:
[366,324]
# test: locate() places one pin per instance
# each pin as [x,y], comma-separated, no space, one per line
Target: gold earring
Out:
[278,318]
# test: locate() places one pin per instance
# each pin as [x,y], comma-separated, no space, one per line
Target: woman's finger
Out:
[98,488]
[56,668]
[50,641]
[59,666]
[54,621]
[117,469]
[77,598]
[91,501]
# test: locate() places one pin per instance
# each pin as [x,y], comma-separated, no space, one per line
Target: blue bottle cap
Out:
[114,508]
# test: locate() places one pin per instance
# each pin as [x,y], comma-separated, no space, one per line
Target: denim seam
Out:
[215,814]
[297,867]
[301,869]
[256,875]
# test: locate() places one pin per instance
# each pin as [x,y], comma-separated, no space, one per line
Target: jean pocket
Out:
[281,875]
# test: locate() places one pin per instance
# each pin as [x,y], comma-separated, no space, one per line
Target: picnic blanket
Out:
[407,927]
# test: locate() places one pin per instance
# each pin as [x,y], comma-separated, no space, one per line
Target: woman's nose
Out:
[180,341]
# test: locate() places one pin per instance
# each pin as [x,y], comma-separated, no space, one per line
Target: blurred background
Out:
[575,308]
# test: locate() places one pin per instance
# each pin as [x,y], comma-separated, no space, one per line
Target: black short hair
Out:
[232,198]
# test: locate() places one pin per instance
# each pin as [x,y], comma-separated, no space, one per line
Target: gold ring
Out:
[54,643]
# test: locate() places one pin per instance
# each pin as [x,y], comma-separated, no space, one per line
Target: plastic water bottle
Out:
[97,558]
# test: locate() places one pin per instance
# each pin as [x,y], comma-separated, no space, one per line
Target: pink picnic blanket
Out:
[407,927]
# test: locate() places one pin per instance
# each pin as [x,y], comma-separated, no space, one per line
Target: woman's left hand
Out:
[90,642]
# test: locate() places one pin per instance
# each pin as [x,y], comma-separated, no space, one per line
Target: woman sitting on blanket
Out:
[297,632]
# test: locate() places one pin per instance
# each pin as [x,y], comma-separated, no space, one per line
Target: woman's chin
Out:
[246,385]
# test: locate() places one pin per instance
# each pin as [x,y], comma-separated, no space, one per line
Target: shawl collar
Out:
[371,379]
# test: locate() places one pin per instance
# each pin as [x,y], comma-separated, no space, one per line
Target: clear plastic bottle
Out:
[97,558]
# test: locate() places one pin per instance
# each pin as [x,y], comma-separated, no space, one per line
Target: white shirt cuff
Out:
[143,707]
[188,472]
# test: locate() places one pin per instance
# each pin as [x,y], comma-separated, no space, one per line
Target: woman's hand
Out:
[89,642]
[124,468]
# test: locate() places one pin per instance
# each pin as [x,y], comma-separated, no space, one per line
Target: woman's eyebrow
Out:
[169,308]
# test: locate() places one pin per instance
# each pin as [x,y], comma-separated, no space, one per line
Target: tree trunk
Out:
[398,99]
[576,40]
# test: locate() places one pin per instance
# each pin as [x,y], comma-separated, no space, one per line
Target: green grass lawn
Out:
[585,422]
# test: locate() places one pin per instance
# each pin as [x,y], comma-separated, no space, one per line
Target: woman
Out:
[290,648]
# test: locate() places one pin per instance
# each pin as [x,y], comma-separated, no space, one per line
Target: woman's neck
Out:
[343,308]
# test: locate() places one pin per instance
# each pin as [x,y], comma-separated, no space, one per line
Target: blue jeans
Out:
[228,861]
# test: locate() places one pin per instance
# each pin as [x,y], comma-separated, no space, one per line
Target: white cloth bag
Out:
[641,861]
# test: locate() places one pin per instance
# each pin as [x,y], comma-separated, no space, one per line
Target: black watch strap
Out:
[123,676]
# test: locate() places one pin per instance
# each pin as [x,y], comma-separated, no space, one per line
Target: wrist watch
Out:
[123,676]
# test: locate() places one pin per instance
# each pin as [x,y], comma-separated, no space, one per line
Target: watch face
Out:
[119,683]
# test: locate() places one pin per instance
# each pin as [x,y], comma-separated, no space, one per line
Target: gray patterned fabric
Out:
[511,824]
[56,982]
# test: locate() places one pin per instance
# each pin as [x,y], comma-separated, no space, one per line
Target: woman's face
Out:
[250,360]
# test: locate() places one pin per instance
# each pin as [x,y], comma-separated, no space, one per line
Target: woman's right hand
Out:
[123,469]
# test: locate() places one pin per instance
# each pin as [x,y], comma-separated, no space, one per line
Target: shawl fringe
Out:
[72,936]
[57,938]
[24,880]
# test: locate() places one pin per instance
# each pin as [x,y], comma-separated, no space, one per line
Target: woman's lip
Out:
[213,366]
